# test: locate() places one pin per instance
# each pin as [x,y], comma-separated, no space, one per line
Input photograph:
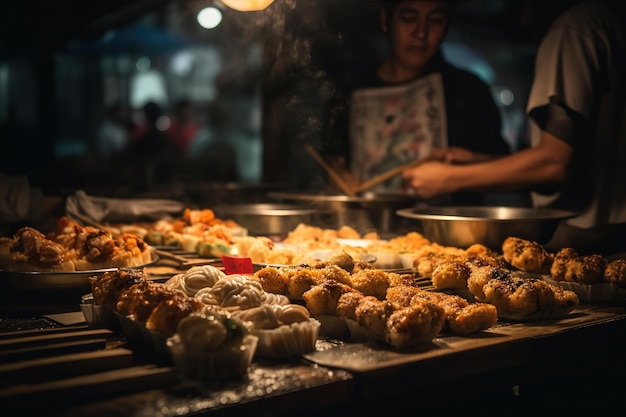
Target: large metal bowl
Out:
[267,219]
[365,212]
[463,226]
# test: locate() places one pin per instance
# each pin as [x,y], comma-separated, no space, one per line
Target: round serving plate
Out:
[51,287]
[364,212]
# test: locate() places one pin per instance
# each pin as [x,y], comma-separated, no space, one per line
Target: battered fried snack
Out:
[527,255]
[615,272]
[322,299]
[569,266]
[460,316]
[520,297]
[169,312]
[450,274]
[108,287]
[414,325]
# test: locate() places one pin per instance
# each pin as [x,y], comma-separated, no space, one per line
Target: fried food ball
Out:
[372,314]
[322,299]
[272,280]
[527,255]
[300,280]
[450,274]
[473,318]
[347,304]
[615,272]
[371,282]
[569,266]
[419,323]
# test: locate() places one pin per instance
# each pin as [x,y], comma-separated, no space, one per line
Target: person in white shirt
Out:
[577,106]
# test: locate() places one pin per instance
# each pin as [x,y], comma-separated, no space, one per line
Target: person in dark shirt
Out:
[456,107]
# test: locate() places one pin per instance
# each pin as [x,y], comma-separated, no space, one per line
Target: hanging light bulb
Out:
[247,5]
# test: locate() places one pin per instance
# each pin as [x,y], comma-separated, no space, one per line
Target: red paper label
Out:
[235,265]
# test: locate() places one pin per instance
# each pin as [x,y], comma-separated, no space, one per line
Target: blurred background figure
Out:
[114,132]
[183,125]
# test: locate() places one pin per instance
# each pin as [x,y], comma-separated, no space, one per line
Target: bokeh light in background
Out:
[209,17]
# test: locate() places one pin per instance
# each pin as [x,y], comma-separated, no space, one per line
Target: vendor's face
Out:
[415,30]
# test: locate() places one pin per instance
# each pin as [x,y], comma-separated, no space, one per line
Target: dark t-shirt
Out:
[473,119]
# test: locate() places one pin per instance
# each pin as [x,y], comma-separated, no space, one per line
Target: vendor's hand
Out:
[457,155]
[339,165]
[427,180]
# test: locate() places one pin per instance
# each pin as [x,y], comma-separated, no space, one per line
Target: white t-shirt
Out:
[581,63]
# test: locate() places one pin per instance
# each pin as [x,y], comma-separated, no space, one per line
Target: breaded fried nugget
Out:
[371,282]
[527,255]
[342,259]
[372,314]
[473,318]
[450,274]
[419,323]
[300,280]
[322,299]
[615,272]
[347,304]
[400,296]
[272,280]
[569,266]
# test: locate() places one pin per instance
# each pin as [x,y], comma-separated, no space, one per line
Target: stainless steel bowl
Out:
[266,219]
[463,226]
[365,212]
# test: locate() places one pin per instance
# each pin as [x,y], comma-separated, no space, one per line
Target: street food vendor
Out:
[412,102]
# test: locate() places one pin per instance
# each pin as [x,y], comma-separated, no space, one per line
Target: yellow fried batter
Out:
[450,274]
[322,299]
[615,272]
[372,314]
[569,266]
[527,255]
[371,282]
[413,325]
[473,318]
[272,280]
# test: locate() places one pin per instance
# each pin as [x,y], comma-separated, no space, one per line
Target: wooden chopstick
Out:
[333,174]
[386,175]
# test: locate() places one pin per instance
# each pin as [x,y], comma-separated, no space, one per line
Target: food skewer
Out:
[333,174]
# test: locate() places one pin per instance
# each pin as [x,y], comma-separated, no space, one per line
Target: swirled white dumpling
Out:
[267,316]
[196,278]
[236,292]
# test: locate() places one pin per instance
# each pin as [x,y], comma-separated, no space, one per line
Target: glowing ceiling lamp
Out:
[247,5]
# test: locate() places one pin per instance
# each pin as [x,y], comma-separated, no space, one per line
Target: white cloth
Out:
[582,63]
[101,209]
[390,126]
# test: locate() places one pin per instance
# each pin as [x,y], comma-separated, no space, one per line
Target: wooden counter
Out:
[587,348]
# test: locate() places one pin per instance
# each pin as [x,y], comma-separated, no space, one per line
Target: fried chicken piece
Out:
[347,304]
[272,280]
[322,299]
[569,266]
[372,314]
[410,326]
[370,282]
[300,280]
[139,300]
[396,279]
[525,296]
[480,276]
[527,255]
[473,318]
[168,313]
[426,265]
[342,259]
[336,273]
[450,274]
[460,316]
[478,249]
[615,272]
[108,287]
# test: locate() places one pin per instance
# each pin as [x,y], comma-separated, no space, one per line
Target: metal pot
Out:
[365,213]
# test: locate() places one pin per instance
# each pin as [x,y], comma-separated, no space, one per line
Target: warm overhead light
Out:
[247,5]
